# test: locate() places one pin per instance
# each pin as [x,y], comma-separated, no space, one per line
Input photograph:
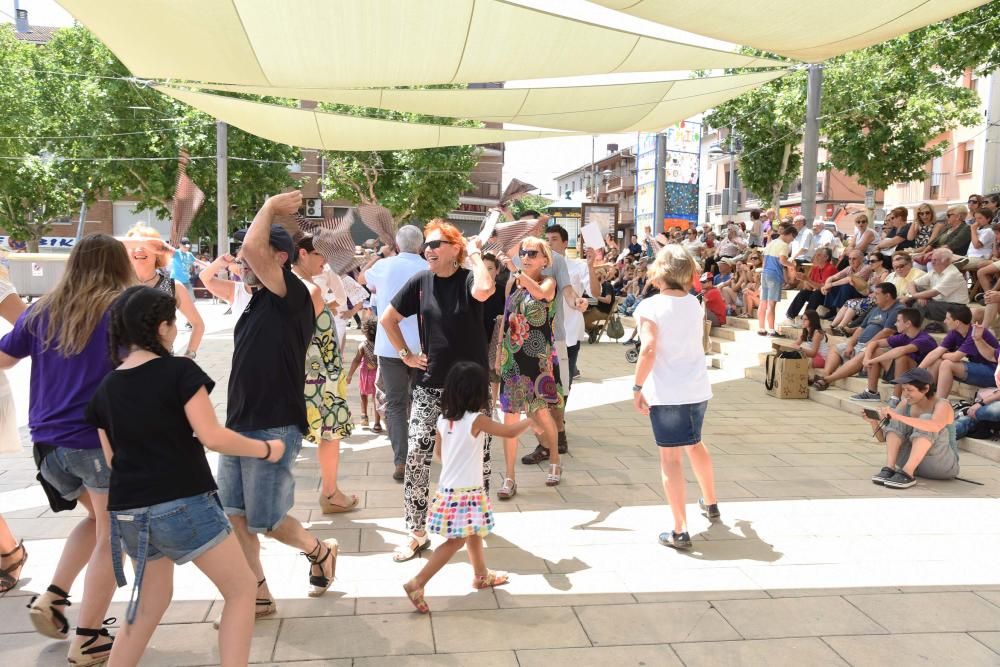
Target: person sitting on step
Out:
[979,350]
[897,354]
[942,287]
[920,434]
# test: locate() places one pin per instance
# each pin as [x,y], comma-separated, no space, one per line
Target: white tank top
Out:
[461,453]
[241,297]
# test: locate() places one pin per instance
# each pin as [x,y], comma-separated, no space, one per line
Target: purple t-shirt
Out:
[923,340]
[955,341]
[61,387]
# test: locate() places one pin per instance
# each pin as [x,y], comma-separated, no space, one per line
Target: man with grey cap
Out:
[919,434]
[266,400]
[386,277]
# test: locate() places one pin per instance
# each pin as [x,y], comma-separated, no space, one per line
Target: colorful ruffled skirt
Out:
[456,513]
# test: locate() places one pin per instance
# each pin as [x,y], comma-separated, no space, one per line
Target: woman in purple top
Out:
[66,335]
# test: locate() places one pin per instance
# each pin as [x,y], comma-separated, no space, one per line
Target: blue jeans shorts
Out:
[979,375]
[181,530]
[70,470]
[770,288]
[677,425]
[261,491]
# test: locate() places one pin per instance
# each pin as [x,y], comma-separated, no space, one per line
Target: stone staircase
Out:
[751,354]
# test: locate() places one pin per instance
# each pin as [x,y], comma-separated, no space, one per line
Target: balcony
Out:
[620,183]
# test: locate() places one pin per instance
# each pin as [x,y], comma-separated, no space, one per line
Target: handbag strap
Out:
[770,370]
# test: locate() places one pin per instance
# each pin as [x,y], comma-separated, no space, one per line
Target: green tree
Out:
[768,122]
[32,189]
[413,184]
[105,115]
[528,202]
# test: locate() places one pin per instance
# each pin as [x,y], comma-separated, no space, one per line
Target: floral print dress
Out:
[326,384]
[529,367]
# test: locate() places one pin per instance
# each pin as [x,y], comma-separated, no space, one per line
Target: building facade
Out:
[609,179]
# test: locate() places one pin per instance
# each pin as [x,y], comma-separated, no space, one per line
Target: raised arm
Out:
[257,251]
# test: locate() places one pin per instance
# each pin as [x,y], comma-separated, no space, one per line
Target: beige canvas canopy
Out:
[603,108]
[360,43]
[808,30]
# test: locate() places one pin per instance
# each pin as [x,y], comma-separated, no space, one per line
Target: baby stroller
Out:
[610,325]
[632,354]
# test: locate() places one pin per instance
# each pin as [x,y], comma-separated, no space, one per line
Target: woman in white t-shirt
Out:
[672,386]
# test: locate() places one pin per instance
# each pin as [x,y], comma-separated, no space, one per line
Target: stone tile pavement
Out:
[810,565]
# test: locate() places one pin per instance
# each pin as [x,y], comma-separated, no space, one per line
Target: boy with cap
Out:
[715,305]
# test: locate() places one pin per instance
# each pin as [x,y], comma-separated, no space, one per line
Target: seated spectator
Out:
[732,246]
[812,342]
[985,409]
[600,285]
[920,436]
[944,286]
[845,284]
[849,357]
[895,236]
[903,272]
[863,239]
[981,242]
[751,290]
[715,305]
[980,353]
[958,323]
[855,309]
[897,354]
[725,273]
[954,236]
[804,245]
[634,247]
[809,294]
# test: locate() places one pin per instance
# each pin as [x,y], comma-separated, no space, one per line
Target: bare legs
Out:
[230,574]
[444,553]
[546,421]
[99,584]
[765,315]
[918,450]
[289,532]
[329,465]
[674,484]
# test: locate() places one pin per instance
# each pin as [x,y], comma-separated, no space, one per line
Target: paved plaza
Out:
[811,564]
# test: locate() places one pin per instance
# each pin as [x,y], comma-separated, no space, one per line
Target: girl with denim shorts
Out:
[65,333]
[162,497]
[672,386]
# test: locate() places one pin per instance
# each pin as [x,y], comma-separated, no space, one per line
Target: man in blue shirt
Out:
[862,346]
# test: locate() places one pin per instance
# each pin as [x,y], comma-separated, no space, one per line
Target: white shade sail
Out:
[809,30]
[339,132]
[361,43]
[591,109]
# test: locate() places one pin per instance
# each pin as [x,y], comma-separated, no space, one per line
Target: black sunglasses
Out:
[434,245]
[529,253]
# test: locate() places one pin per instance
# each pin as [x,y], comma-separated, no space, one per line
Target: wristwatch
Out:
[517,274]
[190,354]
[404,352]
[636,387]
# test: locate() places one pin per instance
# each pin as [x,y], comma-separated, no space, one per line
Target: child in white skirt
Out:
[461,509]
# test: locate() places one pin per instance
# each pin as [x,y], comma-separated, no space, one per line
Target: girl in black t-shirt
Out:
[162,497]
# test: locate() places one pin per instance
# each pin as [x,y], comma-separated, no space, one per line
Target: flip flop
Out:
[416,597]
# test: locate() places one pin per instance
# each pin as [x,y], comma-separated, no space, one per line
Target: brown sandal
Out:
[11,575]
[416,596]
[490,579]
[327,506]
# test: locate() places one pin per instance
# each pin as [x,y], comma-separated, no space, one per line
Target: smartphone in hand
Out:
[873,414]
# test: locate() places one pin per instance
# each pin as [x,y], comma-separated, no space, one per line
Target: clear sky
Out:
[538,161]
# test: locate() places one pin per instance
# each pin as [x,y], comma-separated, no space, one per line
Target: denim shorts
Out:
[677,425]
[979,375]
[70,470]
[770,288]
[181,530]
[262,491]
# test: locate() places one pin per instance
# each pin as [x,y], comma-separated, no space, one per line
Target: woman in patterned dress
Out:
[529,367]
[326,386]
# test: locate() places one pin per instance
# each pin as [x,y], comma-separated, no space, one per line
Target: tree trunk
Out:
[32,245]
[776,188]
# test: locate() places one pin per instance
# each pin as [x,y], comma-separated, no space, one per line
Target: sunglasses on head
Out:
[529,253]
[435,244]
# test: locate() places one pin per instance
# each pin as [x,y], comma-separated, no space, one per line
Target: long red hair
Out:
[449,233]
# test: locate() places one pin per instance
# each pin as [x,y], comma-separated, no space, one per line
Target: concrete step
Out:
[839,398]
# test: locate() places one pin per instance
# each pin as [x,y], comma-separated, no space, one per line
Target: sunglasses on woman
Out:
[531,254]
[435,244]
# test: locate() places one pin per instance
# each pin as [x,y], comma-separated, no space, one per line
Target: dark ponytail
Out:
[135,321]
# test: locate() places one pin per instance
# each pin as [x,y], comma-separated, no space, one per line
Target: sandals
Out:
[364,420]
[537,456]
[94,651]
[416,596]
[46,615]
[327,506]
[555,474]
[377,428]
[263,607]
[410,550]
[820,384]
[490,579]
[11,575]
[320,582]
[508,490]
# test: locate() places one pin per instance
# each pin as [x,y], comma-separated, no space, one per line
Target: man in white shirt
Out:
[941,287]
[822,237]
[386,277]
[579,275]
[804,244]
